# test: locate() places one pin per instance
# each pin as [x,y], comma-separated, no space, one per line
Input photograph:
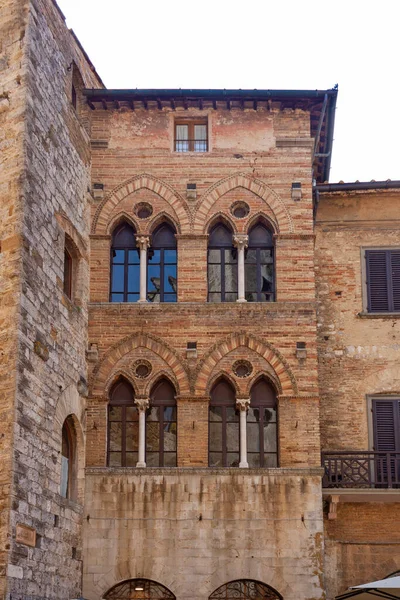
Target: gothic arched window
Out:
[245,589]
[161,265]
[68,460]
[259,266]
[161,434]
[223,426]
[262,441]
[125,265]
[222,265]
[123,427]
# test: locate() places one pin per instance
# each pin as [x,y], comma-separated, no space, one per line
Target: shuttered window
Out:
[386,414]
[383,280]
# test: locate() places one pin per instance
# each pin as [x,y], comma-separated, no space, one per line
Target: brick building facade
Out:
[189,317]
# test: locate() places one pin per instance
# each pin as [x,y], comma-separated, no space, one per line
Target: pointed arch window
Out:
[222,265]
[161,266]
[161,430]
[123,427]
[125,265]
[223,426]
[68,460]
[259,265]
[245,589]
[262,446]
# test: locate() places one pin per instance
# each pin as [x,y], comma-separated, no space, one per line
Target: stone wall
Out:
[54,179]
[193,530]
[12,127]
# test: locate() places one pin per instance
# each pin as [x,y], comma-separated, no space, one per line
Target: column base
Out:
[141,465]
[243,465]
[141,301]
[241,300]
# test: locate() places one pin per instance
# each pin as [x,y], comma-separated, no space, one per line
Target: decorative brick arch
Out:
[106,365]
[284,376]
[257,187]
[174,200]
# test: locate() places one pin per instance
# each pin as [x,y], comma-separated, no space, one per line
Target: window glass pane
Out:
[115,459]
[169,256]
[231,278]
[64,476]
[250,256]
[215,436]
[214,297]
[232,459]
[169,297]
[251,278]
[231,256]
[133,297]
[232,414]
[118,278]
[215,413]
[118,256]
[153,283]
[153,414]
[270,437]
[152,459]
[152,436]
[132,436]
[266,256]
[232,437]
[115,413]
[269,415]
[200,132]
[133,257]
[170,279]
[182,132]
[170,413]
[215,459]
[169,459]
[253,415]
[214,278]
[131,459]
[253,437]
[133,279]
[230,297]
[117,297]
[154,257]
[266,278]
[170,437]
[270,461]
[253,460]
[115,436]
[214,256]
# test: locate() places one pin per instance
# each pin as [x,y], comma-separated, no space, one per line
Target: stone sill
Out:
[387,495]
[376,315]
[268,306]
[205,471]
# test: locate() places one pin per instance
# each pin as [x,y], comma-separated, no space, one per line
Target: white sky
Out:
[264,44]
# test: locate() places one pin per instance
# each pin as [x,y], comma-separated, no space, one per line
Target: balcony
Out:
[360,477]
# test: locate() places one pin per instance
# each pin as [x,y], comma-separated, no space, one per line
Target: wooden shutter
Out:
[395,271]
[386,425]
[377,280]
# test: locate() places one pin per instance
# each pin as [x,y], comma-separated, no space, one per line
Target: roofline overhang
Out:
[326,188]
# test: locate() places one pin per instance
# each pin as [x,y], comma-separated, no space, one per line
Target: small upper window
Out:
[68,456]
[161,266]
[68,264]
[383,280]
[125,265]
[191,136]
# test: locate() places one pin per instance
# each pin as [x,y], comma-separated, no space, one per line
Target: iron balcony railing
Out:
[191,145]
[361,469]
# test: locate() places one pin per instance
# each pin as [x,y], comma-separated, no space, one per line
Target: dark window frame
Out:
[161,404]
[222,403]
[68,438]
[68,272]
[126,249]
[221,246]
[387,278]
[123,404]
[191,141]
[258,247]
[261,405]
[162,246]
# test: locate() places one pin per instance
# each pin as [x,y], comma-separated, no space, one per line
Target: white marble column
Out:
[241,242]
[142,242]
[142,405]
[242,404]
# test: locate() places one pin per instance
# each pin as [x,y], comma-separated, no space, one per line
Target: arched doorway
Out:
[139,589]
[245,589]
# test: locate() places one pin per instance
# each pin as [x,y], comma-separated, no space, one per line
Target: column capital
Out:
[242,404]
[240,241]
[143,242]
[142,404]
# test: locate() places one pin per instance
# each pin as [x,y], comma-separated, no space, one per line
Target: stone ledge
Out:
[388,315]
[204,471]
